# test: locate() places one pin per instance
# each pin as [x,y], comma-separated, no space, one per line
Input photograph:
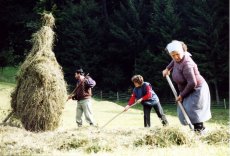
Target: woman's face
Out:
[176,56]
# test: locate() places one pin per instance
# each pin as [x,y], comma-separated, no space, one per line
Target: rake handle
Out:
[179,103]
[117,115]
[112,119]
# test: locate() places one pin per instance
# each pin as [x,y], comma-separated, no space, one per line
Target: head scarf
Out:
[177,46]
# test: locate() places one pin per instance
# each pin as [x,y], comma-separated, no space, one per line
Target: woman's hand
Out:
[166,72]
[139,100]
[179,98]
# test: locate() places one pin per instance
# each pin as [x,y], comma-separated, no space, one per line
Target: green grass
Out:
[8,74]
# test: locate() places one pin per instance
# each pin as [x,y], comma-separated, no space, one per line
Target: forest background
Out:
[115,39]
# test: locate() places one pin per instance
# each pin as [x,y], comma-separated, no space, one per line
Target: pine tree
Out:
[17,24]
[164,26]
[129,32]
[79,35]
[209,41]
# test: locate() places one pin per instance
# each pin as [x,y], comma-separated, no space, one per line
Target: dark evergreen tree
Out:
[128,37]
[208,42]
[17,24]
[164,26]
[78,37]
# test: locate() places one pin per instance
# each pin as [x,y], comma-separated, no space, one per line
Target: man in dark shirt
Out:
[82,93]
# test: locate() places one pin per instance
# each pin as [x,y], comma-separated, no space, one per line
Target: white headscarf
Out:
[177,46]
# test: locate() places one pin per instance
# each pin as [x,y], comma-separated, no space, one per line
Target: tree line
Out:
[114,39]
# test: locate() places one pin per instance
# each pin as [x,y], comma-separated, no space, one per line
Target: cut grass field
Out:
[125,135]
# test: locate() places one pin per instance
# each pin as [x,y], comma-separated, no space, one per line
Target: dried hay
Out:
[217,137]
[39,96]
[164,137]
[73,143]
[108,142]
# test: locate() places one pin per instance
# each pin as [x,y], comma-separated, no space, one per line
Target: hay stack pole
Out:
[39,96]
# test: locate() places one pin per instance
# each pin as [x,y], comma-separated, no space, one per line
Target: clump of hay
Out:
[92,143]
[39,96]
[96,147]
[164,137]
[73,143]
[218,136]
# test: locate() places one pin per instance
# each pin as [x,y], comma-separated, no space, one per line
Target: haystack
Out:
[39,96]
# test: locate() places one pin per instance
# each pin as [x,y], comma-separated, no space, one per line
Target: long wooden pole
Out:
[117,115]
[179,103]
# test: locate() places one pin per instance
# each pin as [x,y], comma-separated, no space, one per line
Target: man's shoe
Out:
[164,121]
[79,125]
[91,124]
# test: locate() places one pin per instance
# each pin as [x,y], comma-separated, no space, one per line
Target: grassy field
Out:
[125,135]
[8,74]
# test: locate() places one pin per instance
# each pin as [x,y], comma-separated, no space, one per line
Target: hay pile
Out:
[219,136]
[39,96]
[165,137]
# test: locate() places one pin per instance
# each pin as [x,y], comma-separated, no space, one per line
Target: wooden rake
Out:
[179,103]
[117,116]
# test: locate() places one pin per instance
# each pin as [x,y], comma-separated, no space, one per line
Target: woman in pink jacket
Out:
[193,90]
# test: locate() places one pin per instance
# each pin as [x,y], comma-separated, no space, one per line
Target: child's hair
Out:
[137,79]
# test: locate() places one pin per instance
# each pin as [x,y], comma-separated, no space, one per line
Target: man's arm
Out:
[72,94]
[90,82]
